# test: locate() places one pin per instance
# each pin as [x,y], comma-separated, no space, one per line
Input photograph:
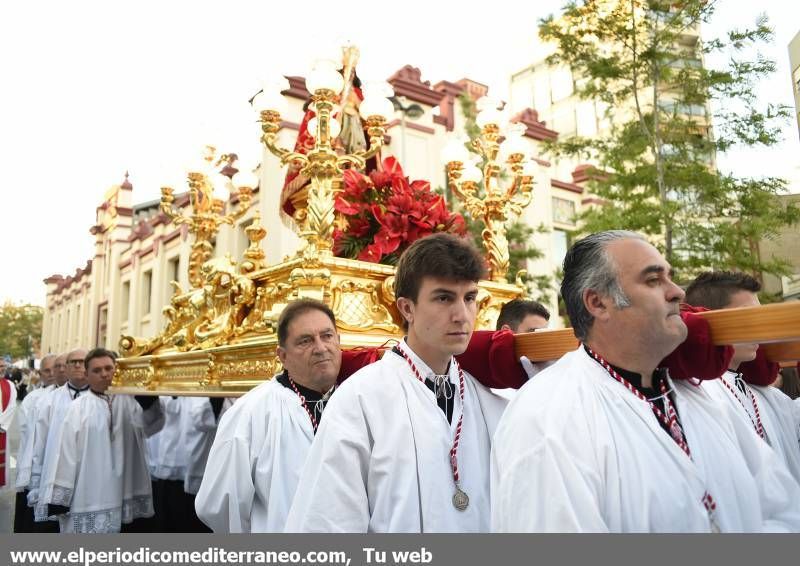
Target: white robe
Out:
[577,452]
[776,410]
[168,448]
[49,419]
[380,460]
[100,470]
[27,428]
[255,462]
[199,427]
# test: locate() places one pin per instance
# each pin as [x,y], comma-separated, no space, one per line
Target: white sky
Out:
[92,88]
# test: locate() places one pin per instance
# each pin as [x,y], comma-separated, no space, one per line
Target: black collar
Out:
[75,391]
[635,379]
[310,395]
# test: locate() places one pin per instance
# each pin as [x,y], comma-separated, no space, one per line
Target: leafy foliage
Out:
[669,115]
[20,329]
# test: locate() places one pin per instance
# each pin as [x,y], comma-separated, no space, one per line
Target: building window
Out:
[563,211]
[561,84]
[102,327]
[78,322]
[147,291]
[174,270]
[126,300]
[560,243]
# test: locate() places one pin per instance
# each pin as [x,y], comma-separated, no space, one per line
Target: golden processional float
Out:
[220,336]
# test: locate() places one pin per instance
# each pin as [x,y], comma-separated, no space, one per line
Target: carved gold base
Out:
[220,339]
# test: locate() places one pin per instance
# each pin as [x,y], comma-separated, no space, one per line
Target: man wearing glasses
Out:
[49,418]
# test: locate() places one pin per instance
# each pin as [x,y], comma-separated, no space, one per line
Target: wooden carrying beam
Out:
[777,326]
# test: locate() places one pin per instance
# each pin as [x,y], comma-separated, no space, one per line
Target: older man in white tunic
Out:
[49,418]
[767,409]
[405,443]
[100,479]
[263,439]
[603,441]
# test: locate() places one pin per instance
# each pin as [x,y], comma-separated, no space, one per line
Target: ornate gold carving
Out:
[204,317]
[207,215]
[219,336]
[500,205]
[323,167]
[357,306]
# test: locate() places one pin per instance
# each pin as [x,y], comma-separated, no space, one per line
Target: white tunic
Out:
[255,462]
[199,427]
[577,452]
[100,470]
[49,419]
[168,447]
[380,460]
[775,409]
[27,427]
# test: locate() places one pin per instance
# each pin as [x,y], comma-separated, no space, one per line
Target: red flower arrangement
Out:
[384,212]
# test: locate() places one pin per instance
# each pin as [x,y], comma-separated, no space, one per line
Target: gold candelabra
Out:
[324,163]
[499,205]
[207,211]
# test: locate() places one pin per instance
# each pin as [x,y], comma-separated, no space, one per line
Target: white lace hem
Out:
[137,507]
[61,496]
[93,522]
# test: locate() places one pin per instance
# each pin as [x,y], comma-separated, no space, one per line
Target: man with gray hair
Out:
[49,418]
[605,441]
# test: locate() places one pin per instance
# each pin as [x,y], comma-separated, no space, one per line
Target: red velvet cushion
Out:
[492,359]
[760,371]
[697,357]
[355,359]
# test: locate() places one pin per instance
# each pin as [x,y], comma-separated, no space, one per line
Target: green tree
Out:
[20,329]
[520,245]
[669,115]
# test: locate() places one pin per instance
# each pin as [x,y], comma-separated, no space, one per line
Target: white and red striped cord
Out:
[457,439]
[671,421]
[314,423]
[757,425]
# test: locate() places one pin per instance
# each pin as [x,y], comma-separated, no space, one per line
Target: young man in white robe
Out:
[767,409]
[405,443]
[49,418]
[263,439]
[100,479]
[23,515]
[602,441]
